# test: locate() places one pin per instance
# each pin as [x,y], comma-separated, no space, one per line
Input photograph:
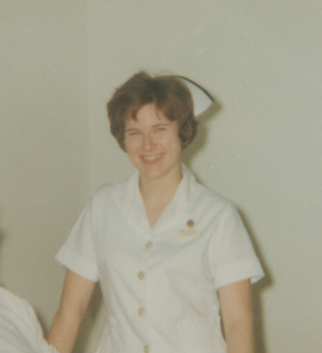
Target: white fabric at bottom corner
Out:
[20,331]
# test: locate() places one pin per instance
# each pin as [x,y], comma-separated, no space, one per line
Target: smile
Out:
[151,158]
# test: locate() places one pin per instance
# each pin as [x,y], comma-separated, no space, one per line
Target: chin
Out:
[153,175]
[157,173]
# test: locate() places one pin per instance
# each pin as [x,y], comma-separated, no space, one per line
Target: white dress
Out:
[159,285]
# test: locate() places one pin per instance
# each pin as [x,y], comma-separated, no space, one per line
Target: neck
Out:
[166,185]
[157,193]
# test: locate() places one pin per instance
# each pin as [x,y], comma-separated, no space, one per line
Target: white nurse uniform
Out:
[159,285]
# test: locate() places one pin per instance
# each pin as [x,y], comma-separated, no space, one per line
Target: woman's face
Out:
[152,144]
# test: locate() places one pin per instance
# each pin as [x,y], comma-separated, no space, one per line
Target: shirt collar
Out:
[176,210]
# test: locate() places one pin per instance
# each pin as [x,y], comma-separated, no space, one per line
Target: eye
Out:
[132,133]
[160,128]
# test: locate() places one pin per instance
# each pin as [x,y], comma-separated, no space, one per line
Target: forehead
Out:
[147,115]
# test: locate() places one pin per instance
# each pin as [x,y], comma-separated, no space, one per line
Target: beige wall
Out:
[262,149]
[44,142]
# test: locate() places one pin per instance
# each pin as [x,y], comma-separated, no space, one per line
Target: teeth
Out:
[151,158]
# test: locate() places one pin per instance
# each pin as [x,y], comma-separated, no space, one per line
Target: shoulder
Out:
[107,189]
[114,192]
[207,200]
[14,304]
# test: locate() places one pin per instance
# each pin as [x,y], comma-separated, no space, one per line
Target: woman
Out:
[161,245]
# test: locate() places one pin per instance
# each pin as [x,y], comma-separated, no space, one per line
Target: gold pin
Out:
[190,223]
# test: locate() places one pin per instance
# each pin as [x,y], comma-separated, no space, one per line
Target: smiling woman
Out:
[169,94]
[153,145]
[154,148]
[170,255]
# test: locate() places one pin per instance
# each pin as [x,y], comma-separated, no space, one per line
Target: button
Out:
[141,275]
[190,223]
[146,349]
[141,312]
[149,244]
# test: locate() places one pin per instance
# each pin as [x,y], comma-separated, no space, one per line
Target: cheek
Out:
[130,145]
[174,142]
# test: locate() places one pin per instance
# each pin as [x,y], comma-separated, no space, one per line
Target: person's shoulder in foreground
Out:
[20,331]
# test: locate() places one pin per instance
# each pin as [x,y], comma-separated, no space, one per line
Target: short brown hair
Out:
[169,94]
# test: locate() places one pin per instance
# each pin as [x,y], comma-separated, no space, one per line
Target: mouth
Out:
[151,158]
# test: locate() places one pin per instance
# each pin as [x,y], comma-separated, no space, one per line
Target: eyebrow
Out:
[155,125]
[130,129]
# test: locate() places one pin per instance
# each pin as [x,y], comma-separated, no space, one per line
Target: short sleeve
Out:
[78,252]
[231,254]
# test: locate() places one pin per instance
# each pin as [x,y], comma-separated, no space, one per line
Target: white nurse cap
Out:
[202,100]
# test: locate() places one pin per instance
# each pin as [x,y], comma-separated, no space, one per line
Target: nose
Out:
[148,143]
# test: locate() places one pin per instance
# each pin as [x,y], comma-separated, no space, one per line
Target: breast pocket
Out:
[201,336]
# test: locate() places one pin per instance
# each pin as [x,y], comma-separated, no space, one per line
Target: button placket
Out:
[143,278]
